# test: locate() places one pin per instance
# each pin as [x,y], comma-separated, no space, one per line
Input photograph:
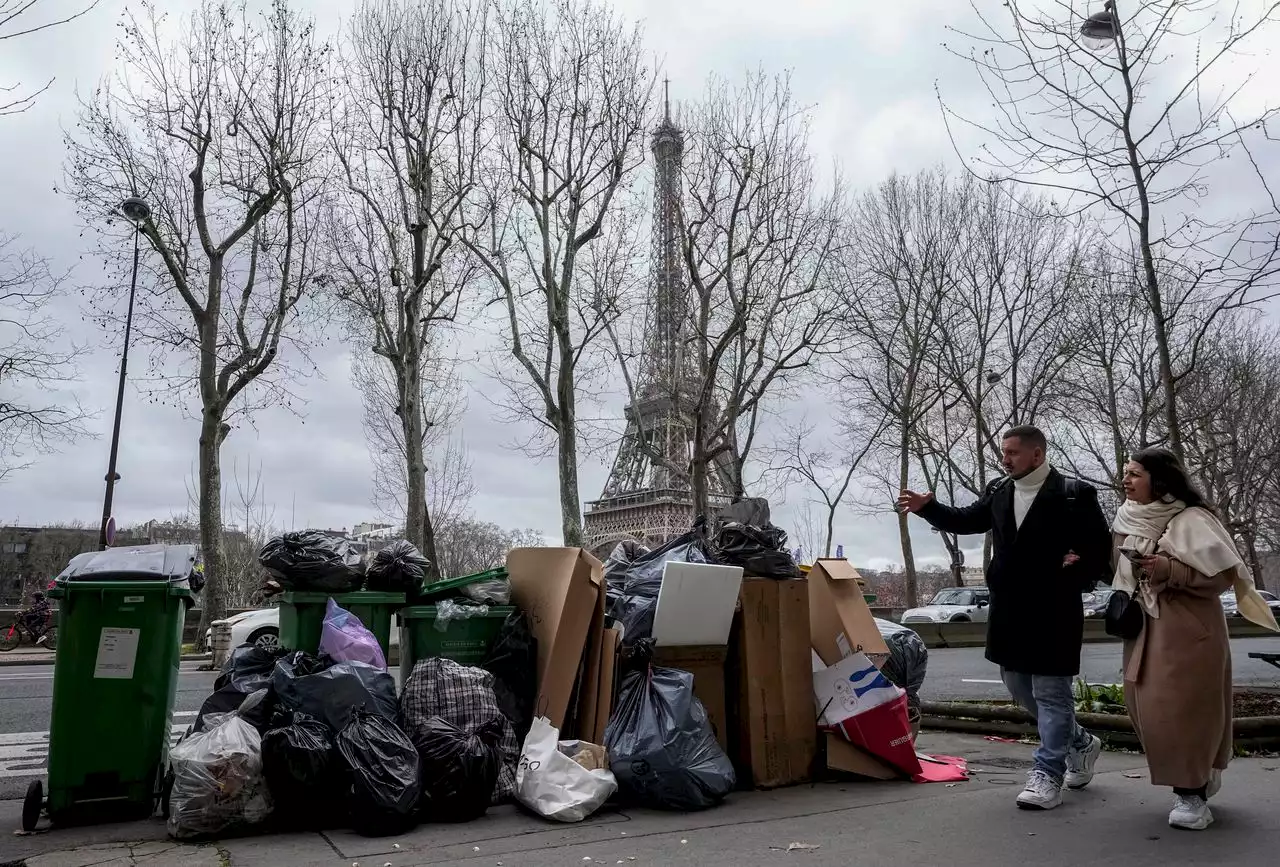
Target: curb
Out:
[1248,732]
[19,662]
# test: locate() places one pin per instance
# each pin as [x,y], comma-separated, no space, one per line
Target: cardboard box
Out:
[773,731]
[839,620]
[706,664]
[562,592]
[844,757]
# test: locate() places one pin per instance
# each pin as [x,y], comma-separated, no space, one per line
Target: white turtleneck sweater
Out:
[1025,490]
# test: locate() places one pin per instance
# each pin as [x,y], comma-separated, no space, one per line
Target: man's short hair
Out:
[1030,435]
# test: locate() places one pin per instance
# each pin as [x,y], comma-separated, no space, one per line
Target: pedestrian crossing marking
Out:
[26,754]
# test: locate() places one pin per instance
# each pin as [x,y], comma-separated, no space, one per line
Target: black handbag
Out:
[1124,616]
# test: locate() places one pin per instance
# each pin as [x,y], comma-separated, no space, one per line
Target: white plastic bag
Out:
[552,784]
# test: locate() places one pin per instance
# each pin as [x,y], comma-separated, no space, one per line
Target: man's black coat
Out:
[1036,622]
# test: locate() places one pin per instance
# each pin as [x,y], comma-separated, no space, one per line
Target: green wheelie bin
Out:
[120,619]
[302,616]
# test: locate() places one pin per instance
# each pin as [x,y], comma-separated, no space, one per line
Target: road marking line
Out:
[974,680]
[25,754]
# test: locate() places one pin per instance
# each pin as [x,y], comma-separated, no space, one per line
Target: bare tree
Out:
[1139,130]
[17,20]
[449,486]
[571,95]
[35,361]
[468,546]
[827,469]
[223,132]
[409,140]
[896,277]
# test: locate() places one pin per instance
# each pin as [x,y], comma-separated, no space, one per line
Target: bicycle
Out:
[18,631]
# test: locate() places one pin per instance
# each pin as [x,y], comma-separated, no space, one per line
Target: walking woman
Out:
[1174,559]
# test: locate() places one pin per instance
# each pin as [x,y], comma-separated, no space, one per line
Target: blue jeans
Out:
[1050,702]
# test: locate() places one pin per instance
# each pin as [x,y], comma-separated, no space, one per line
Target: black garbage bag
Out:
[332,694]
[382,772]
[258,708]
[459,769]
[745,537]
[908,658]
[636,596]
[513,662]
[397,568]
[624,554]
[247,670]
[661,745]
[301,768]
[311,560]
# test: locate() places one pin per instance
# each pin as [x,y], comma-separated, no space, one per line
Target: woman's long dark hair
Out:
[1169,478]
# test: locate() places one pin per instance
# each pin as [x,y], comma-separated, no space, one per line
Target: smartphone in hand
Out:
[1133,555]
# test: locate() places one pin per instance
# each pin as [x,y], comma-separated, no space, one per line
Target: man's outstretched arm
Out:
[964,521]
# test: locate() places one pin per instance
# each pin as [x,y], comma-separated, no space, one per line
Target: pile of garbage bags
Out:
[320,562]
[740,535]
[319,743]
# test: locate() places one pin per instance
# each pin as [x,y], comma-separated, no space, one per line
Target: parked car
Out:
[1232,609]
[953,605]
[261,626]
[1095,603]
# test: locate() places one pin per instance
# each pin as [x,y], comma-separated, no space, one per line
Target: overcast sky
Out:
[869,70]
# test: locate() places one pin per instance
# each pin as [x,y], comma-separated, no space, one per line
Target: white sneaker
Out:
[1042,792]
[1215,783]
[1190,812]
[1080,764]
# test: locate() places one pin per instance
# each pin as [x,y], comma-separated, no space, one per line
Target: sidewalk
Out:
[1120,819]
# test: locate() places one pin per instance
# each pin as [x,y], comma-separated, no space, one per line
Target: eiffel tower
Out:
[649,495]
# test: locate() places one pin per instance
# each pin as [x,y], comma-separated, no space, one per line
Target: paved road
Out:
[26,696]
[963,673]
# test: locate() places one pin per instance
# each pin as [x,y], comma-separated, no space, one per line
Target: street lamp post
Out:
[136,211]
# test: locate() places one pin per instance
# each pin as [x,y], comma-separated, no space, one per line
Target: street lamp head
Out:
[1099,30]
[135,210]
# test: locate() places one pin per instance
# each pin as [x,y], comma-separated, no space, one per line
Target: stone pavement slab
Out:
[1120,819]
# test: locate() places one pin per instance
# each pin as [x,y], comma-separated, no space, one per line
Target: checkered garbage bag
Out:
[462,696]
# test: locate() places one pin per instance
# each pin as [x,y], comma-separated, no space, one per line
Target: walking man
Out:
[1050,544]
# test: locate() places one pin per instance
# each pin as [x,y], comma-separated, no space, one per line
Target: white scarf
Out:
[1194,537]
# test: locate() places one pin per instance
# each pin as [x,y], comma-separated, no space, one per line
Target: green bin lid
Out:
[356,597]
[445,587]
[428,612]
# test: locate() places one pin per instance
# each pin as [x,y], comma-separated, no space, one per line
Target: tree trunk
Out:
[214,596]
[904,530]
[417,519]
[567,451]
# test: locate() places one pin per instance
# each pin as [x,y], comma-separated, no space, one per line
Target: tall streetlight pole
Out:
[136,211]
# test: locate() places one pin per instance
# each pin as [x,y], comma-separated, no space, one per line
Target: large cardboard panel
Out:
[562,592]
[836,608]
[706,664]
[772,723]
[696,604]
[589,695]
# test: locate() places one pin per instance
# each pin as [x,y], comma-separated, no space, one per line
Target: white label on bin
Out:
[117,652]
[134,600]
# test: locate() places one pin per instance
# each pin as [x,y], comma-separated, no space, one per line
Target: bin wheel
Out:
[32,806]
